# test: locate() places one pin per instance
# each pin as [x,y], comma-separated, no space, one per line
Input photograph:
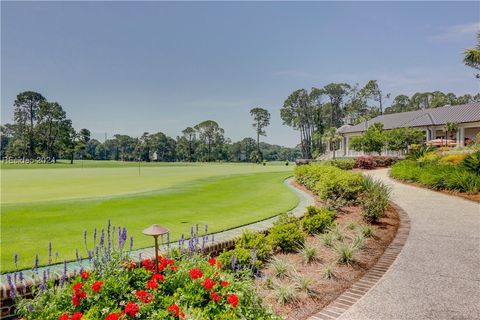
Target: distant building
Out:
[431,121]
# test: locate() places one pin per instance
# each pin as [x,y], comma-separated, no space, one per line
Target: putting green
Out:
[57,204]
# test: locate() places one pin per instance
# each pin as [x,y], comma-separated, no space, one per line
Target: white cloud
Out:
[457,32]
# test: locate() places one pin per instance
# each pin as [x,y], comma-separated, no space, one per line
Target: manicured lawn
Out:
[57,205]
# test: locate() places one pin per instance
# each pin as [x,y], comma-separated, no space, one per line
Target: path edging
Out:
[360,288]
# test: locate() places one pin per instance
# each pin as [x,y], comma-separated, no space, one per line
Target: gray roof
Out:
[469,112]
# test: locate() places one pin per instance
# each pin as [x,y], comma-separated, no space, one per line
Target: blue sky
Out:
[125,67]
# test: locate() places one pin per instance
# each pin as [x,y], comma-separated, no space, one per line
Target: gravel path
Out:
[437,275]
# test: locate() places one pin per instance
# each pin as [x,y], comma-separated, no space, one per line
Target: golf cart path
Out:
[437,274]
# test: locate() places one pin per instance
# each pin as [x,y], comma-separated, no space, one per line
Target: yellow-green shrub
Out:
[453,159]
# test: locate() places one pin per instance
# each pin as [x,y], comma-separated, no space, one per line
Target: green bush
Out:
[375,199]
[286,234]
[344,164]
[256,241]
[244,259]
[472,163]
[463,181]
[318,222]
[339,184]
[437,176]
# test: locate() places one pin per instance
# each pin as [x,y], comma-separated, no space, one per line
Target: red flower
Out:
[173,268]
[78,296]
[215,296]
[224,284]
[112,316]
[208,284]
[174,309]
[212,261]
[97,286]
[144,296]
[131,309]
[77,286]
[196,273]
[148,264]
[85,275]
[232,299]
[64,316]
[132,265]
[77,316]
[152,284]
[158,277]
[182,315]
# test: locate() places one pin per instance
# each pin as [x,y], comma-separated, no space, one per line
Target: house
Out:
[431,121]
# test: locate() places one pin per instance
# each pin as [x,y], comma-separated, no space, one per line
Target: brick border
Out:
[360,288]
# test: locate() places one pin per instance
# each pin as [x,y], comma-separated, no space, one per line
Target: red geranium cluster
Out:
[78,294]
[163,262]
[75,316]
[175,310]
[131,309]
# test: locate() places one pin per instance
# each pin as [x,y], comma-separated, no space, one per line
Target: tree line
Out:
[42,129]
[314,113]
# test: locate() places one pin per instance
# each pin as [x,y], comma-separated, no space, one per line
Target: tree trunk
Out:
[71,157]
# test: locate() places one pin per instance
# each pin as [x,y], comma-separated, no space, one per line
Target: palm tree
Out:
[472,56]
[332,137]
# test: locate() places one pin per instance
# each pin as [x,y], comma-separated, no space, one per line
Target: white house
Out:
[431,121]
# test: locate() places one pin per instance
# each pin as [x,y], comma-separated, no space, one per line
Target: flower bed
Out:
[190,287]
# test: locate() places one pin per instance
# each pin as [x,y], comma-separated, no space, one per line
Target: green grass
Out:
[45,205]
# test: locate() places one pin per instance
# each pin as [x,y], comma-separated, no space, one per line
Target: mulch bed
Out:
[327,290]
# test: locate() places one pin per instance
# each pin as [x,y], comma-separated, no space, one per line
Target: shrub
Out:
[339,184]
[256,241]
[375,199]
[358,241]
[418,151]
[452,159]
[309,254]
[367,231]
[344,252]
[383,161]
[328,271]
[472,163]
[344,164]
[285,293]
[319,222]
[438,176]
[303,283]
[429,157]
[286,235]
[240,259]
[329,182]
[280,267]
[463,181]
[364,162]
[352,225]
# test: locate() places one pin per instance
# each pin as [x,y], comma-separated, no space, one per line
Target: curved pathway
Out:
[437,274]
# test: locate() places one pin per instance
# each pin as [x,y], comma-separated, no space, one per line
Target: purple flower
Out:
[206,228]
[15,260]
[35,267]
[44,281]
[131,243]
[13,289]
[102,238]
[65,266]
[50,252]
[20,276]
